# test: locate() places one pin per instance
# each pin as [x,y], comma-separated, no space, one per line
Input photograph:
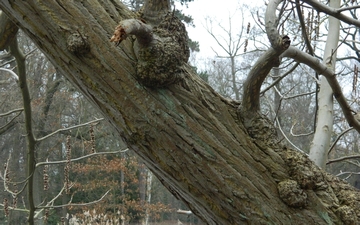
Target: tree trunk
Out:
[325,115]
[190,137]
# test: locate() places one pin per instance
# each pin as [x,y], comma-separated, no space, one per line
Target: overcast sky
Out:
[219,12]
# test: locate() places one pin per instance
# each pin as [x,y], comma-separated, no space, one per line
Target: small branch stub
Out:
[163,50]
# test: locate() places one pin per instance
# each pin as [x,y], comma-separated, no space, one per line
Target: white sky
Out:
[219,12]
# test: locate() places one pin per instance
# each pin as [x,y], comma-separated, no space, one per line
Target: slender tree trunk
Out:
[32,195]
[233,77]
[149,178]
[324,126]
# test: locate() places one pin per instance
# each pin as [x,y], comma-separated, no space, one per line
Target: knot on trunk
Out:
[304,171]
[161,63]
[78,44]
[163,49]
[347,215]
[291,193]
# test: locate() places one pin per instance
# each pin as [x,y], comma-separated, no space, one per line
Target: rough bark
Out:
[8,31]
[191,138]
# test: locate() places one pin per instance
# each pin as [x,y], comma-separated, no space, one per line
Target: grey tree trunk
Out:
[192,139]
[325,115]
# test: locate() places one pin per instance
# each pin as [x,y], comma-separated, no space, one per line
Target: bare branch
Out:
[338,138]
[280,78]
[303,28]
[16,209]
[315,64]
[270,59]
[80,158]
[68,128]
[348,8]
[11,72]
[12,111]
[9,124]
[343,158]
[349,174]
[332,12]
[49,203]
[75,204]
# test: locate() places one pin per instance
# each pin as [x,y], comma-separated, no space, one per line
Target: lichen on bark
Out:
[291,193]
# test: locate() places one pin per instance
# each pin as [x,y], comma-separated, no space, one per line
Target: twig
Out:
[68,128]
[283,133]
[11,72]
[80,158]
[299,135]
[75,204]
[338,138]
[350,174]
[12,111]
[343,158]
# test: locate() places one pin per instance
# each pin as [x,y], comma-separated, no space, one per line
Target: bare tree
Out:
[221,158]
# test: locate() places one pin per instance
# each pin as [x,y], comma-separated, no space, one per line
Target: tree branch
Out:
[9,124]
[142,31]
[11,111]
[30,138]
[75,204]
[338,138]
[79,158]
[280,78]
[332,12]
[11,72]
[343,158]
[262,67]
[303,28]
[322,69]
[68,128]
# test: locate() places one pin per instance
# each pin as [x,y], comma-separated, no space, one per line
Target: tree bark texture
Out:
[191,138]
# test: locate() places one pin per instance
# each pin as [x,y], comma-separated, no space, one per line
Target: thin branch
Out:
[299,95]
[9,124]
[50,203]
[344,173]
[283,133]
[343,158]
[79,158]
[75,204]
[12,111]
[348,8]
[68,128]
[280,78]
[16,209]
[303,29]
[315,64]
[11,72]
[338,138]
[332,12]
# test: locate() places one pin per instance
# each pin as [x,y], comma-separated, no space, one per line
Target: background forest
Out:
[84,173]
